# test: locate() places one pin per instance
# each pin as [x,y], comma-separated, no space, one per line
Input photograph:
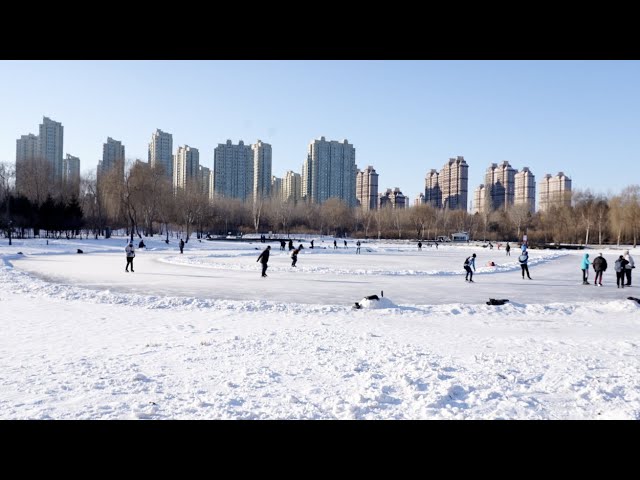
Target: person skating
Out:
[311,243]
[508,249]
[290,244]
[468,263]
[264,259]
[585,269]
[630,265]
[619,267]
[335,244]
[141,244]
[600,266]
[524,259]
[419,246]
[181,245]
[358,246]
[345,244]
[130,251]
[282,244]
[294,255]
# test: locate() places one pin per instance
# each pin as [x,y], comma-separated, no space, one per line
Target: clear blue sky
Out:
[403,117]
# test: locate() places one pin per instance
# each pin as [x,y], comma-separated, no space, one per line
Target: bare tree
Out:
[520,215]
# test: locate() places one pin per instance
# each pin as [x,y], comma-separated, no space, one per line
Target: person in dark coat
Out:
[468,263]
[419,245]
[358,246]
[508,249]
[141,244]
[290,244]
[311,243]
[600,266]
[282,244]
[181,245]
[129,250]
[524,259]
[619,267]
[335,244]
[264,259]
[294,255]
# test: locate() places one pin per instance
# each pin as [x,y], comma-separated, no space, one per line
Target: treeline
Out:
[143,203]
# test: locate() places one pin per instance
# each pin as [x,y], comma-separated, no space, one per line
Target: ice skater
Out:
[130,251]
[468,263]
[358,246]
[294,255]
[419,246]
[181,245]
[508,249]
[524,259]
[264,259]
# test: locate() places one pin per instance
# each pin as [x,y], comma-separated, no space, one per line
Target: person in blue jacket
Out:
[585,268]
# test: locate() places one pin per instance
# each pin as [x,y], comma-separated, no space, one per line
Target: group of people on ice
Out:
[622,266]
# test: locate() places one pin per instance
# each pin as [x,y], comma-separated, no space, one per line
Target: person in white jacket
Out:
[129,250]
[629,266]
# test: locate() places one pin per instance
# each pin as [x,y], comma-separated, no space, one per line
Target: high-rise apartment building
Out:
[27,151]
[205,181]
[525,189]
[161,152]
[261,170]
[291,187]
[276,188]
[71,174]
[554,190]
[453,180]
[499,184]
[50,142]
[367,188]
[432,191]
[186,168]
[330,171]
[392,198]
[233,171]
[112,158]
[479,199]
[419,200]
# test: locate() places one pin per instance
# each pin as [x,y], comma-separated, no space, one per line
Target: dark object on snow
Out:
[494,301]
[372,297]
[20,253]
[637,300]
[357,306]
[80,251]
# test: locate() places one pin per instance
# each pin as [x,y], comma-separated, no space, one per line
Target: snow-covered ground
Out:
[203,335]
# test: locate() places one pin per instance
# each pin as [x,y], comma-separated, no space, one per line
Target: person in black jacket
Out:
[264,259]
[600,266]
[181,245]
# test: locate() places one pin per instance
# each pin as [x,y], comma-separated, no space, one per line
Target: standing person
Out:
[508,249]
[130,254]
[420,246]
[290,244]
[181,245]
[294,255]
[619,267]
[585,269]
[468,263]
[630,264]
[311,243]
[264,259]
[600,266]
[345,244]
[283,244]
[358,246]
[335,244]
[524,259]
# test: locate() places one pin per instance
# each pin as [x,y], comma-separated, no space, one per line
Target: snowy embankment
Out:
[71,350]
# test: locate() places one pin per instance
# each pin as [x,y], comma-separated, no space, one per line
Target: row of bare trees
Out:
[143,203]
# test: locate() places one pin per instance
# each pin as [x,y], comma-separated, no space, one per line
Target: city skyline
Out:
[403,117]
